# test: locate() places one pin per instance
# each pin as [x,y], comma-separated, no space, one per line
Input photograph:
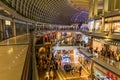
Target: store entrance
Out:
[8,29]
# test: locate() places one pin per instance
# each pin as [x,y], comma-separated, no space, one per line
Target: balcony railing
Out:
[27,69]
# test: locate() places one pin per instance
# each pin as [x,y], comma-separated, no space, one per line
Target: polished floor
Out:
[12,57]
[20,40]
[75,75]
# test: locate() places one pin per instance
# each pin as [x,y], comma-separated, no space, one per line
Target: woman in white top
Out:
[47,77]
[51,74]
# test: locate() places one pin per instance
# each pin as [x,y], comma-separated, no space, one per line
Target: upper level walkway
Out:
[12,57]
[61,30]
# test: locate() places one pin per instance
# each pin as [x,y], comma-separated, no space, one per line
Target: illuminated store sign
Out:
[7,22]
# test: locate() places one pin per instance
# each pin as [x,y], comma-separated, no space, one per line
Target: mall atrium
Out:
[59,40]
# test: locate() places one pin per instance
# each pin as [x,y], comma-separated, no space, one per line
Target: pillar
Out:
[91,42]
[1,30]
[117,4]
[4,32]
[105,6]
[103,24]
[95,7]
[91,70]
[110,29]
[111,5]
[14,27]
[91,9]
[27,28]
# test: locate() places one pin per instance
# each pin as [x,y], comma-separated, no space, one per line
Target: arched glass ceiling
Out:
[80,17]
[50,11]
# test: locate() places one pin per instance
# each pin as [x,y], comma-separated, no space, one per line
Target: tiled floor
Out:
[12,57]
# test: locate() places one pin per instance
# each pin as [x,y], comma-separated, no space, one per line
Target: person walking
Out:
[51,74]
[80,70]
[47,76]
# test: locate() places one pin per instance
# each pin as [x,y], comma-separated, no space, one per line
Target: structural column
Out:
[91,71]
[1,30]
[14,27]
[95,7]
[90,8]
[27,28]
[111,5]
[105,6]
[117,4]
[3,26]
[110,29]
[103,24]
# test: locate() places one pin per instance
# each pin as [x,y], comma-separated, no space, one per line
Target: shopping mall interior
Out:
[59,40]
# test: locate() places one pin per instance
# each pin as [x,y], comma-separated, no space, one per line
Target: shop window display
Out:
[98,25]
[116,27]
[21,28]
[91,26]
[107,27]
[84,40]
[8,29]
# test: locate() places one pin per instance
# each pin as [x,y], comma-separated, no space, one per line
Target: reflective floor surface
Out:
[12,57]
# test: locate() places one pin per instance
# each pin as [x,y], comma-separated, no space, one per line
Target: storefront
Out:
[98,25]
[8,29]
[21,28]
[107,27]
[107,51]
[116,27]
[64,34]
[59,35]
[97,44]
[85,41]
[91,26]
[101,73]
[101,43]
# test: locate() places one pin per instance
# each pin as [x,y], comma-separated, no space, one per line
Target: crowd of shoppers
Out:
[47,63]
[106,55]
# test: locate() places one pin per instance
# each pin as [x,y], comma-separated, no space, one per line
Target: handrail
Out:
[53,44]
[25,72]
[35,72]
[27,69]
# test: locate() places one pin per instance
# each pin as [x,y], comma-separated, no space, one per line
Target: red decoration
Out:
[112,76]
[51,34]
[108,74]
[115,78]
[45,36]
